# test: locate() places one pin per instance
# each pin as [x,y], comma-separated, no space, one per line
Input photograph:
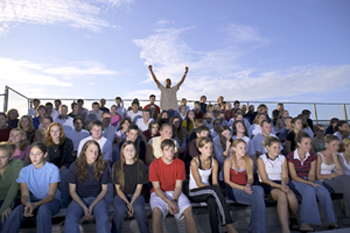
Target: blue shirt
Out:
[39,180]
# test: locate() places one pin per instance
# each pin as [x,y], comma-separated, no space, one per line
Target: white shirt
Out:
[142,126]
[133,115]
[105,145]
[273,168]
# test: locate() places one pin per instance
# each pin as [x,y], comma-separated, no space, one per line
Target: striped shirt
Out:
[302,167]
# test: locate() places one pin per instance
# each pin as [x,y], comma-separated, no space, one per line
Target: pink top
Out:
[21,154]
[115,120]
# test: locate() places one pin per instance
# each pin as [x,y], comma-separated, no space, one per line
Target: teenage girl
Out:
[302,169]
[238,174]
[9,170]
[19,138]
[290,140]
[26,124]
[88,179]
[330,170]
[39,193]
[273,175]
[129,175]
[202,167]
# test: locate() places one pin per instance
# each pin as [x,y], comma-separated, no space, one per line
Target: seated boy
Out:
[167,174]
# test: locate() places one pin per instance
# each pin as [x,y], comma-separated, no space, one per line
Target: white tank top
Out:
[325,168]
[273,167]
[346,165]
[203,174]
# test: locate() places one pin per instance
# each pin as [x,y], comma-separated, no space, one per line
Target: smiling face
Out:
[305,145]
[55,133]
[266,129]
[166,132]
[273,149]
[15,137]
[155,129]
[24,122]
[132,135]
[168,83]
[333,146]
[91,153]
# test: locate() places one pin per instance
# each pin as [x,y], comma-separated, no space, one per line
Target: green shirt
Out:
[8,186]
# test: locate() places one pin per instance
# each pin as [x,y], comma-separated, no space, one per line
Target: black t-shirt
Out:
[291,137]
[91,187]
[131,179]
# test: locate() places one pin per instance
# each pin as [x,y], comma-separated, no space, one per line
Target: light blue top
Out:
[39,180]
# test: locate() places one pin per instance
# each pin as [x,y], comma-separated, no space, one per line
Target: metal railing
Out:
[320,112]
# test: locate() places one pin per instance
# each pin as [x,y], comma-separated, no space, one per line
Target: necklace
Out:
[55,148]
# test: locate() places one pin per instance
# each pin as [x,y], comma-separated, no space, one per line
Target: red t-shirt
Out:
[166,174]
[239,178]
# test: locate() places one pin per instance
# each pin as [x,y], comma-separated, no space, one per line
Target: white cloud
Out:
[219,72]
[74,13]
[23,75]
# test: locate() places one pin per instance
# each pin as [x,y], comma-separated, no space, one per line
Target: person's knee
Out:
[307,190]
[258,190]
[188,212]
[157,213]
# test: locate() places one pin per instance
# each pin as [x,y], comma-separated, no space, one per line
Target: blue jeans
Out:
[258,219]
[43,214]
[75,213]
[309,209]
[63,186]
[121,211]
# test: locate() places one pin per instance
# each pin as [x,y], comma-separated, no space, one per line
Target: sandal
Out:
[293,224]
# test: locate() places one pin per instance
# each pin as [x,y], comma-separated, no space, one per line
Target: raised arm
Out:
[183,78]
[154,76]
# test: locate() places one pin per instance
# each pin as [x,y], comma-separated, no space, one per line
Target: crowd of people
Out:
[83,160]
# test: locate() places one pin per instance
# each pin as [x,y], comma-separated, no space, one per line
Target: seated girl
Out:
[290,139]
[273,173]
[19,138]
[255,127]
[129,200]
[12,117]
[202,167]
[179,134]
[344,150]
[41,113]
[9,170]
[39,194]
[240,132]
[115,117]
[330,170]
[302,169]
[188,124]
[60,153]
[123,127]
[153,130]
[318,143]
[88,179]
[26,124]
[238,174]
[222,146]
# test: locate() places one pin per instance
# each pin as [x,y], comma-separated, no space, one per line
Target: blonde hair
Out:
[234,157]
[24,142]
[8,147]
[343,144]
[269,140]
[200,142]
[330,138]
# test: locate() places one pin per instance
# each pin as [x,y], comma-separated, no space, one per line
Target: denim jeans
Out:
[121,211]
[43,214]
[75,213]
[258,218]
[309,209]
[63,186]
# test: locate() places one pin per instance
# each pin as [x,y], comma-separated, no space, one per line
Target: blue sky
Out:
[248,50]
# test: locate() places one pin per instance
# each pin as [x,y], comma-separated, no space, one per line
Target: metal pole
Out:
[6,99]
[315,112]
[345,112]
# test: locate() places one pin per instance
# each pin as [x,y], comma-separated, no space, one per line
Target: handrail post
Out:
[345,112]
[6,99]
[315,113]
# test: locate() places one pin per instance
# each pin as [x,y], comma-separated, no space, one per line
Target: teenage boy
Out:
[50,111]
[108,129]
[134,113]
[167,174]
[152,100]
[82,110]
[32,112]
[75,111]
[78,133]
[153,150]
[132,134]
[120,104]
[95,113]
[192,150]
[143,122]
[96,129]
[65,120]
[203,104]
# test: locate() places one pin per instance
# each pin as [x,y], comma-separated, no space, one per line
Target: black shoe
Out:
[332,227]
[293,224]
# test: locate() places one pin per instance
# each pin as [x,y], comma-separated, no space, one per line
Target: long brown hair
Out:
[118,175]
[82,165]
[48,139]
[234,157]
[177,131]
